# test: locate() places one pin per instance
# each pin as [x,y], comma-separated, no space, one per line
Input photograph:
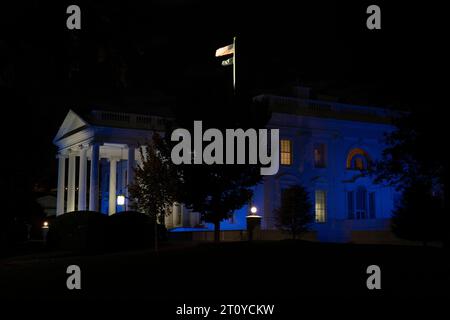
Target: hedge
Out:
[93,231]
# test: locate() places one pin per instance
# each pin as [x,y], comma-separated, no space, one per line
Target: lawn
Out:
[263,271]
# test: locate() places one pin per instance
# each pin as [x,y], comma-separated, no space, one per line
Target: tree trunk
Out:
[217,231]
[156,235]
[293,228]
[446,236]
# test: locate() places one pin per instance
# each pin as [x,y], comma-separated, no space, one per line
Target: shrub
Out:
[294,214]
[79,230]
[13,232]
[129,229]
[420,214]
[87,230]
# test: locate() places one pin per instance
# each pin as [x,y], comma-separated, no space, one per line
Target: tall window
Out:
[372,214]
[286,152]
[351,204]
[319,155]
[321,206]
[361,204]
[358,159]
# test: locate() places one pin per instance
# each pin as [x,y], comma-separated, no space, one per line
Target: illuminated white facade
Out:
[96,160]
[325,146]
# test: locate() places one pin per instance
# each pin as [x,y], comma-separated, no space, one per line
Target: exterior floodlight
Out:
[120,200]
[253,209]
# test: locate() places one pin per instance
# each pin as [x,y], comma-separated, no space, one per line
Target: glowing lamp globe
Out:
[253,209]
[120,200]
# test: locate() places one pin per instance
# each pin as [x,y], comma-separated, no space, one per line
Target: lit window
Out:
[286,152]
[321,206]
[358,159]
[319,155]
[358,163]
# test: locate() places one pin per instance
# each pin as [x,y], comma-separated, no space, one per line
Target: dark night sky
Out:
[164,46]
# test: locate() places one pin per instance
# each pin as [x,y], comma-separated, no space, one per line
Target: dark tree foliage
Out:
[419,215]
[21,216]
[416,162]
[414,151]
[215,191]
[156,182]
[294,215]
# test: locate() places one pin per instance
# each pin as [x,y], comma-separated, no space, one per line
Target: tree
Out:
[419,215]
[216,191]
[155,187]
[415,158]
[294,215]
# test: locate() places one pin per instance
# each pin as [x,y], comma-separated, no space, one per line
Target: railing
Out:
[130,120]
[326,109]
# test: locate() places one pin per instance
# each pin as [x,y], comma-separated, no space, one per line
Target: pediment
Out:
[72,123]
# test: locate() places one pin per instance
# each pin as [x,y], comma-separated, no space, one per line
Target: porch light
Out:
[120,200]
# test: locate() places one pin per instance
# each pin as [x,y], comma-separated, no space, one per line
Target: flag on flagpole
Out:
[227,62]
[229,49]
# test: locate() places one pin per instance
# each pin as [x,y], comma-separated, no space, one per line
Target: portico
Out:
[97,157]
[82,195]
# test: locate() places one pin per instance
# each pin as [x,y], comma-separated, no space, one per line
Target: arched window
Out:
[358,159]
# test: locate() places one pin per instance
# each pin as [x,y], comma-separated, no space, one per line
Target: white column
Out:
[71,183]
[93,187]
[193,218]
[168,221]
[130,172]
[112,186]
[175,213]
[61,184]
[82,180]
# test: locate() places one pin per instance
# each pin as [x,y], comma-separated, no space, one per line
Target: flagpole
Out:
[234,65]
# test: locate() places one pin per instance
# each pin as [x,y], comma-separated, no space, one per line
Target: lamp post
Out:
[253,222]
[45,230]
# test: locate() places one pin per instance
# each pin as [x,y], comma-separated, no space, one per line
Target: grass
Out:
[261,270]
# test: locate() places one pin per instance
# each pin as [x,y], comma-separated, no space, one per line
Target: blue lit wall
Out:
[121,182]
[236,223]
[340,137]
[104,186]
[335,179]
[305,132]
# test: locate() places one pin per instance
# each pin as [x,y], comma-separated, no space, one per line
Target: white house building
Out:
[328,147]
[325,146]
